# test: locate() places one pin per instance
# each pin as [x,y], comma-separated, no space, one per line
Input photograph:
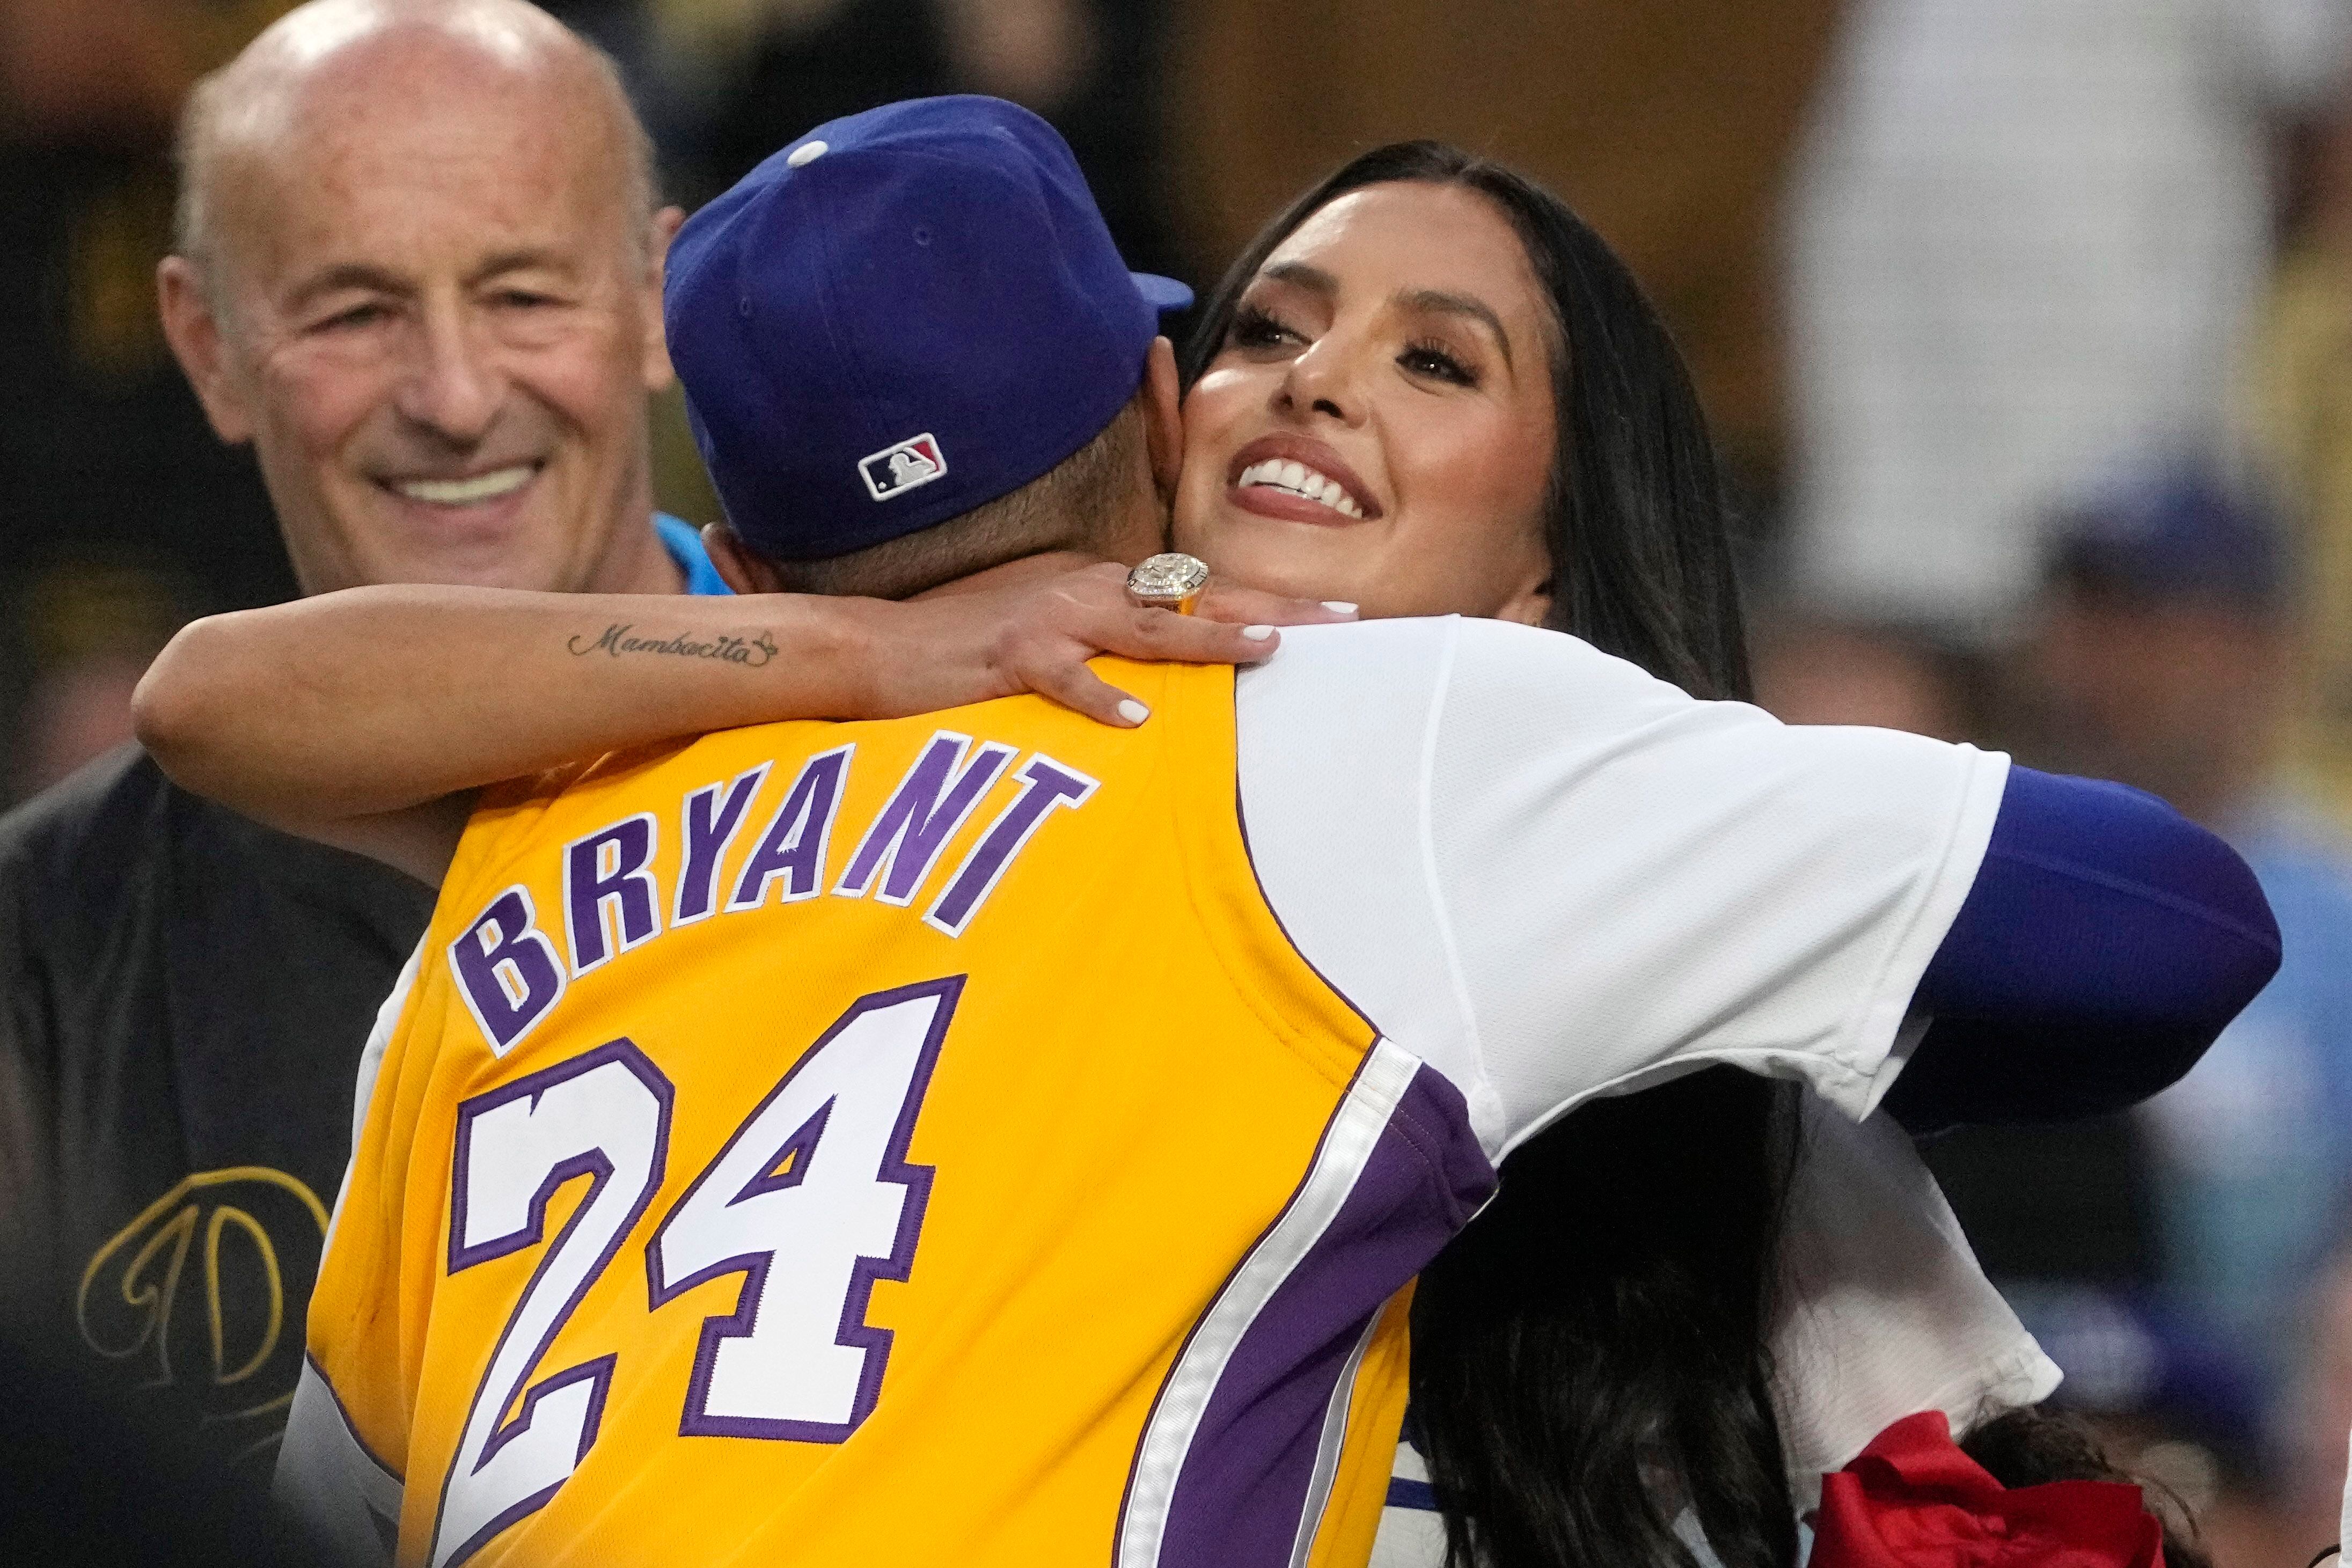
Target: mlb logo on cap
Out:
[900,468]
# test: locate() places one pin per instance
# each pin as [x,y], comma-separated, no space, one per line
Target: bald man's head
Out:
[319,60]
[420,272]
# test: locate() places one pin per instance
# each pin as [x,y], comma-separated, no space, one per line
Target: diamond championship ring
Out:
[1169,582]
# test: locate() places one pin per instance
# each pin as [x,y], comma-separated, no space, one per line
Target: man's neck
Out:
[1027,569]
[1143,531]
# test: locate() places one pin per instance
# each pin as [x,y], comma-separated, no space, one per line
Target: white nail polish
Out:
[1257,634]
[1339,606]
[1131,710]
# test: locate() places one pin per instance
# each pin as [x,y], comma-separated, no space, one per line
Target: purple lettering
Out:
[930,804]
[792,850]
[708,823]
[606,874]
[507,970]
[1046,785]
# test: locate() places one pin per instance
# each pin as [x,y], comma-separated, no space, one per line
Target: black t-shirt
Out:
[183,997]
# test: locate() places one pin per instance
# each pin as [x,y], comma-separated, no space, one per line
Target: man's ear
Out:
[665,225]
[1163,419]
[194,334]
[740,568]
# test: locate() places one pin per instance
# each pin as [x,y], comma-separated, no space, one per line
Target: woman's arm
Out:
[1629,877]
[353,716]
[2103,945]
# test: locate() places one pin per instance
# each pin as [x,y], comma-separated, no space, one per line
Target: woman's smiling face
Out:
[1378,423]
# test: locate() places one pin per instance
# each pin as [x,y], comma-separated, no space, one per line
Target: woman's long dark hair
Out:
[1589,1356]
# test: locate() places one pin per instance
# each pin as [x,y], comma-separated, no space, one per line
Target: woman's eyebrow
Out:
[1313,278]
[1438,301]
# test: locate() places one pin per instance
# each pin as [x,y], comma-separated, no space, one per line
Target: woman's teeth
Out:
[467,492]
[1301,480]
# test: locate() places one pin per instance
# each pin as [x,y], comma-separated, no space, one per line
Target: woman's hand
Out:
[1037,636]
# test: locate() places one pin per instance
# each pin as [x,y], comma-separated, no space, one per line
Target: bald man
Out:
[419,270]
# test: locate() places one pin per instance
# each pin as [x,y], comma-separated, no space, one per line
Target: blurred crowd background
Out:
[2024,325]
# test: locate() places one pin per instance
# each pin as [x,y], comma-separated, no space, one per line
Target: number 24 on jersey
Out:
[811,1200]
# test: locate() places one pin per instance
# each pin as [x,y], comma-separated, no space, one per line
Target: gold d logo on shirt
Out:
[247,1240]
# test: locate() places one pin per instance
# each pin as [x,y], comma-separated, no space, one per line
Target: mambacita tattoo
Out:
[621,638]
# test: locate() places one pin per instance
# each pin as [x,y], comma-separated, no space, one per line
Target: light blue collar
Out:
[685,547]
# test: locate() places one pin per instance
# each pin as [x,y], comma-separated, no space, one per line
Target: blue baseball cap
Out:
[2178,529]
[901,316]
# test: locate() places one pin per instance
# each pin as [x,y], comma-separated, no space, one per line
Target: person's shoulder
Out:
[1354,679]
[1503,655]
[119,832]
[1459,648]
[88,828]
[1362,681]
[1346,644]
[1448,647]
[75,860]
[1432,637]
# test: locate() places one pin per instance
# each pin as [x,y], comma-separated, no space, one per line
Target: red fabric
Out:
[1912,1499]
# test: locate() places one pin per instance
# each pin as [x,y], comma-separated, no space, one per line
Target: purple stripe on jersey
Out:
[1247,1476]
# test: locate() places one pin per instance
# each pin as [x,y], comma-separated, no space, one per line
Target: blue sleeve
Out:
[2105,941]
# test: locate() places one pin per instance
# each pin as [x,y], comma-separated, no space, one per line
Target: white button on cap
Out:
[805,153]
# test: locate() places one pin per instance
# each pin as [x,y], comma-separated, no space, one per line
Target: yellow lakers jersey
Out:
[905,1143]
